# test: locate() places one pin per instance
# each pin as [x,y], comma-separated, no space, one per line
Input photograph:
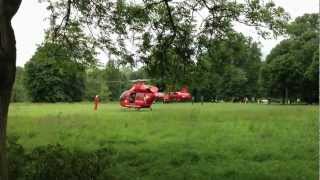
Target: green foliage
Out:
[57,162]
[312,73]
[51,76]
[137,74]
[17,158]
[166,37]
[163,25]
[78,47]
[95,85]
[229,68]
[304,24]
[115,80]
[233,82]
[284,73]
[291,69]
[110,82]
[19,92]
[56,73]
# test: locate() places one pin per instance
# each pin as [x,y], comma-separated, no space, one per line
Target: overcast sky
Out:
[30,23]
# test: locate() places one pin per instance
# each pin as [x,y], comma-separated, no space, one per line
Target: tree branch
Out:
[65,20]
[67,17]
[173,26]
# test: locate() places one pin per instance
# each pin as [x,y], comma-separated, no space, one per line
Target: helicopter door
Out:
[132,98]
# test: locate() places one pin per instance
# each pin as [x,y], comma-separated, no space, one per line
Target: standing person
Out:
[96,102]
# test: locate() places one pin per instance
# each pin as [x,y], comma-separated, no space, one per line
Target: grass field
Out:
[182,141]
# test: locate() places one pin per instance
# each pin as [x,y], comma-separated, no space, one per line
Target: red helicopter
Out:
[178,96]
[139,96]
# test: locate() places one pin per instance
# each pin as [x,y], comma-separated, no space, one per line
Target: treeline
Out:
[291,70]
[228,69]
[54,80]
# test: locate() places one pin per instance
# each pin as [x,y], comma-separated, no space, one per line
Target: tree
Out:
[170,26]
[137,74]
[8,9]
[19,93]
[283,77]
[229,68]
[115,80]
[95,84]
[172,63]
[291,68]
[233,83]
[311,80]
[56,73]
[51,76]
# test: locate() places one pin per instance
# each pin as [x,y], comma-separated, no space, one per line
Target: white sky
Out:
[29,25]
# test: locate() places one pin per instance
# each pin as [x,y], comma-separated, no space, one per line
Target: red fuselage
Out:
[179,96]
[139,96]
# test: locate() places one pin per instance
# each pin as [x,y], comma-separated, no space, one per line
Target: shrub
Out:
[54,162]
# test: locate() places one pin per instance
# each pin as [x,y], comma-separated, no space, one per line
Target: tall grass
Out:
[181,141]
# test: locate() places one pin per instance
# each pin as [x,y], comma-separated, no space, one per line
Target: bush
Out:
[17,158]
[54,162]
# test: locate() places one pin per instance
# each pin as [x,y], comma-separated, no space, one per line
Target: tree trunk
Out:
[8,8]
[7,76]
[287,95]
[4,104]
[283,96]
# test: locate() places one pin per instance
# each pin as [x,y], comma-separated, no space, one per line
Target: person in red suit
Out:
[96,102]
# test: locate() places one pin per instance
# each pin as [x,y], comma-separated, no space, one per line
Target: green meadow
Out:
[181,141]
